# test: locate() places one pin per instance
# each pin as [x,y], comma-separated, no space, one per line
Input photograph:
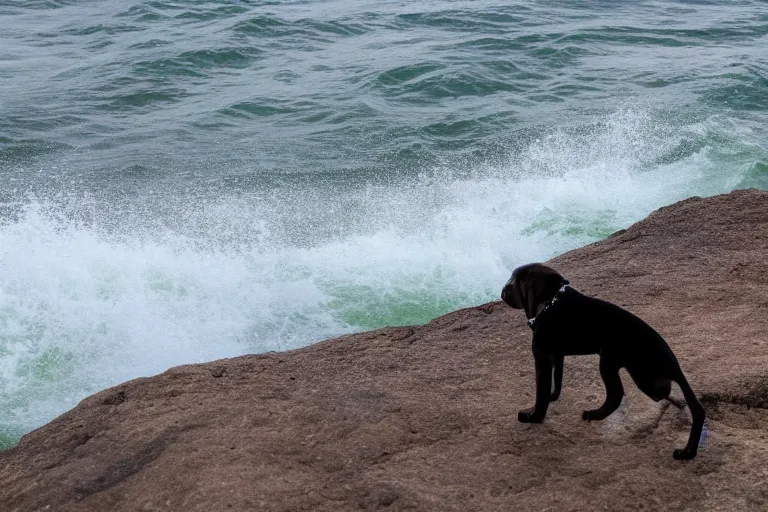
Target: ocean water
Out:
[187,180]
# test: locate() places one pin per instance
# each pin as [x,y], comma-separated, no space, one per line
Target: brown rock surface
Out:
[425,417]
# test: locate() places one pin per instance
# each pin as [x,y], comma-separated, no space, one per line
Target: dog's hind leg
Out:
[657,388]
[677,403]
[698,415]
[614,392]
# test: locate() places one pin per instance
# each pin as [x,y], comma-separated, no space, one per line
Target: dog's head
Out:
[530,285]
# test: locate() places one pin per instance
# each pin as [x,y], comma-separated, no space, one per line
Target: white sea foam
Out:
[92,295]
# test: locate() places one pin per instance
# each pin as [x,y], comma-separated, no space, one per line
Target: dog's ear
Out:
[539,285]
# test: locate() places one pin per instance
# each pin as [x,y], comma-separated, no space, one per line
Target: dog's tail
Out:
[697,415]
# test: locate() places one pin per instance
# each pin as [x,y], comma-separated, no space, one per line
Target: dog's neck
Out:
[543,306]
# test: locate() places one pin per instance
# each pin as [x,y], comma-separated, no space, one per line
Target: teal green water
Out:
[182,181]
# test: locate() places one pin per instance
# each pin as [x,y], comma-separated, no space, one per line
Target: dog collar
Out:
[551,302]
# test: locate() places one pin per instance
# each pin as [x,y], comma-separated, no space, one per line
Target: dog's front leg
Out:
[543,389]
[557,361]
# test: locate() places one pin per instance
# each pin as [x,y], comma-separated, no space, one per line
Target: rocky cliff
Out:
[424,417]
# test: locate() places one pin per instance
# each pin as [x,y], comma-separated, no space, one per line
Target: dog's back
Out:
[587,325]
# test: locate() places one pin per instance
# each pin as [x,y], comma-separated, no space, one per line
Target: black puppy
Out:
[565,322]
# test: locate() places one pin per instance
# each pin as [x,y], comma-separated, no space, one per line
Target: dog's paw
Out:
[528,416]
[592,415]
[683,454]
[553,397]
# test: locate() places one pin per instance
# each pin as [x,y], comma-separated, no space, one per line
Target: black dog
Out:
[565,322]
